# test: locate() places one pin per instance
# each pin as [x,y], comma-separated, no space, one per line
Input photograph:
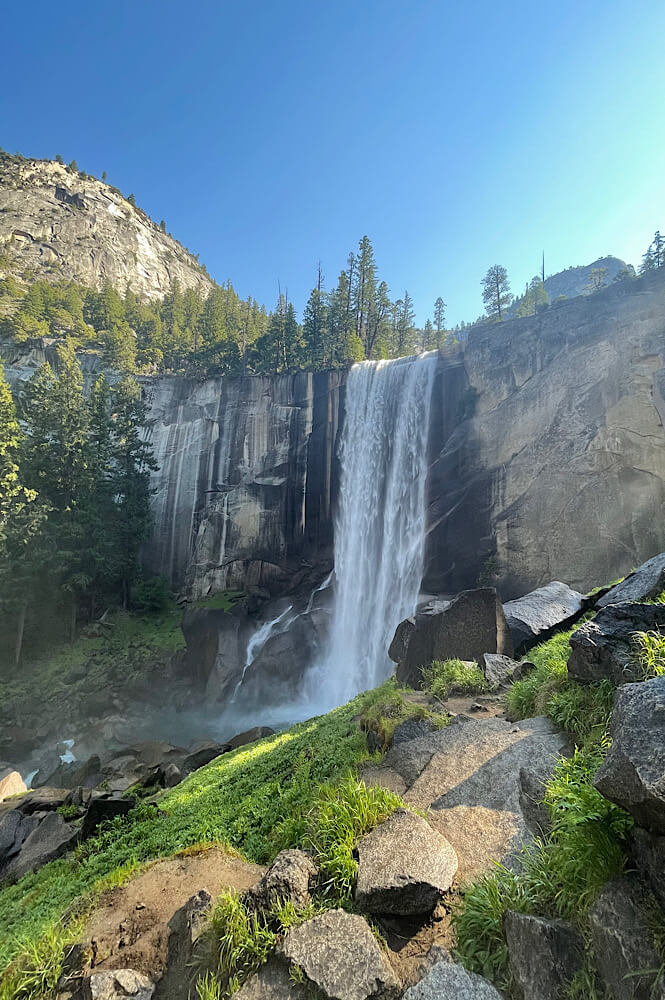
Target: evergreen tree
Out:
[439,319]
[496,291]
[314,327]
[405,327]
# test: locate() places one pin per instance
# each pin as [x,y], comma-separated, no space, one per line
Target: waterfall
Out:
[258,641]
[379,524]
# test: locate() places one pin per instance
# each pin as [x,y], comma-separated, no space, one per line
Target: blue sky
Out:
[269,135]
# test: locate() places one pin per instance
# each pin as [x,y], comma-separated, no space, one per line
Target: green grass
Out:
[257,799]
[649,652]
[579,709]
[445,677]
[128,645]
[385,715]
[223,601]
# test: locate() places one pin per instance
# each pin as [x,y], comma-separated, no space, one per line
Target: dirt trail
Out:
[129,927]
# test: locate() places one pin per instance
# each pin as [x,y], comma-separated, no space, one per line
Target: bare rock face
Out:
[647,581]
[11,783]
[534,617]
[624,947]
[338,954]
[633,772]
[52,838]
[404,867]
[448,981]
[64,226]
[604,647]
[287,881]
[544,954]
[246,477]
[472,624]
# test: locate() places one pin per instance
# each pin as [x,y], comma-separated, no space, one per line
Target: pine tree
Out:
[439,319]
[405,327]
[496,291]
[314,327]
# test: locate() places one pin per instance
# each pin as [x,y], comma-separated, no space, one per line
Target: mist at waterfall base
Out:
[380,527]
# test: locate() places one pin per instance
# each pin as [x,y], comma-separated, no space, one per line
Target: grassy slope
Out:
[256,800]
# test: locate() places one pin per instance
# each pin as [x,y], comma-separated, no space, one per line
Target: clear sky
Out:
[271,134]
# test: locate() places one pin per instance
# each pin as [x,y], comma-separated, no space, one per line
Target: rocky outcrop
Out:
[470,625]
[64,226]
[624,945]
[605,648]
[49,840]
[534,617]
[632,774]
[647,581]
[118,985]
[544,955]
[468,776]
[404,867]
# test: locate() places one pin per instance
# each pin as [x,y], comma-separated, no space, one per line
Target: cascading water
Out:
[259,639]
[380,523]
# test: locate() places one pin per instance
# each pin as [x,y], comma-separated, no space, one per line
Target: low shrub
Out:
[386,714]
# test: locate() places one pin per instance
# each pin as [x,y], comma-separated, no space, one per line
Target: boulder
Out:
[42,800]
[472,624]
[648,853]
[338,954]
[250,736]
[535,617]
[544,955]
[532,801]
[287,881]
[623,939]
[604,647]
[15,828]
[11,783]
[48,841]
[273,982]
[162,776]
[72,774]
[448,981]
[499,670]
[646,581]
[468,775]
[202,754]
[412,729]
[633,772]
[117,985]
[404,867]
[185,928]
[102,809]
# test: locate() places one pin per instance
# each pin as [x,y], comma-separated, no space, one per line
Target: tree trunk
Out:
[20,628]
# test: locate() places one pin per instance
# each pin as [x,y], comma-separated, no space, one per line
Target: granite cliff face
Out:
[558,469]
[246,480]
[57,224]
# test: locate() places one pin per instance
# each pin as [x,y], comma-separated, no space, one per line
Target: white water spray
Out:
[380,523]
[258,641]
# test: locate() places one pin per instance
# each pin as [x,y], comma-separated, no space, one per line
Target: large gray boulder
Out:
[273,982]
[604,647]
[338,954]
[48,841]
[15,828]
[499,670]
[118,984]
[447,981]
[648,853]
[534,617]
[468,776]
[633,772]
[185,929]
[472,624]
[404,866]
[622,935]
[647,581]
[287,881]
[544,955]
[103,809]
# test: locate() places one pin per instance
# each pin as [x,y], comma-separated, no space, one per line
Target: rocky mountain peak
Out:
[57,223]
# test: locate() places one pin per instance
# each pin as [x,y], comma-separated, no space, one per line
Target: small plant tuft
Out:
[445,677]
